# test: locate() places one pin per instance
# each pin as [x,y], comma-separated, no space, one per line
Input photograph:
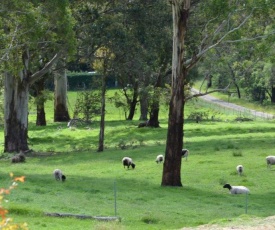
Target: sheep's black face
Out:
[227,186]
[63,178]
[133,165]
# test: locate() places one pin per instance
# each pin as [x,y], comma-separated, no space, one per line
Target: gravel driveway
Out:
[232,106]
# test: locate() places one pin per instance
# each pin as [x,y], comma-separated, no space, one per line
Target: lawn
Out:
[98,185]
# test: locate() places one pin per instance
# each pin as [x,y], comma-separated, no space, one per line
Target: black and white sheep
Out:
[184,153]
[58,175]
[237,189]
[159,158]
[18,158]
[239,169]
[127,161]
[270,160]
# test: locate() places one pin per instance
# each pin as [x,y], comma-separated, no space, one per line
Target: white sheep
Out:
[237,189]
[184,153]
[240,169]
[270,160]
[127,161]
[58,175]
[159,158]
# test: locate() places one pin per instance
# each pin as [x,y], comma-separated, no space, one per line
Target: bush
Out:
[6,223]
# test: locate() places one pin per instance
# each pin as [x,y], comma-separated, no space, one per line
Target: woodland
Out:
[152,48]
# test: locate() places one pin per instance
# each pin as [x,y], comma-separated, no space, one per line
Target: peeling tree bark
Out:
[16,114]
[61,113]
[172,165]
[16,99]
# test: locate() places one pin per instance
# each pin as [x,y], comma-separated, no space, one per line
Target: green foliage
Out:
[42,98]
[87,105]
[6,223]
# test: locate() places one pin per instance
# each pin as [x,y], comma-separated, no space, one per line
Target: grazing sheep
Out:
[159,158]
[184,153]
[58,175]
[18,158]
[270,160]
[239,169]
[236,189]
[127,161]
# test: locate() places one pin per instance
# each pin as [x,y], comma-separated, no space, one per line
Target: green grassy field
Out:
[216,148]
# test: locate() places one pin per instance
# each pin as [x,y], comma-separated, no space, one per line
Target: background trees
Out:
[31,31]
[223,23]
[231,39]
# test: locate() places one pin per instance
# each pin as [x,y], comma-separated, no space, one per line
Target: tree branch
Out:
[192,61]
[198,93]
[45,69]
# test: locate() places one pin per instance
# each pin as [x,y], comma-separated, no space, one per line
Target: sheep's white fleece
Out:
[159,158]
[270,160]
[239,190]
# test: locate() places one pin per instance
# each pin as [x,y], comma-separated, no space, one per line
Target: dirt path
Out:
[229,105]
[254,224]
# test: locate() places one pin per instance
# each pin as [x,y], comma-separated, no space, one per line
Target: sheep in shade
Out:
[184,153]
[270,160]
[58,175]
[18,158]
[239,169]
[159,158]
[127,161]
[237,189]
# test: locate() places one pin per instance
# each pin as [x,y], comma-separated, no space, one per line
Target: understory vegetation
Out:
[98,185]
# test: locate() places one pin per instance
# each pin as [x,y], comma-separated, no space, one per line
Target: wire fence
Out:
[233,109]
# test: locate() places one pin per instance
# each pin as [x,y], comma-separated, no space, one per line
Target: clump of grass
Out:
[122,144]
[25,211]
[237,153]
[222,181]
[141,141]
[231,146]
[149,219]
[217,148]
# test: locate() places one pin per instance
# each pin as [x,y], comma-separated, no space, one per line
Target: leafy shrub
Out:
[88,104]
[198,116]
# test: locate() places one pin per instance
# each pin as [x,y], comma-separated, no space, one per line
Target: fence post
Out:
[246,201]
[115,198]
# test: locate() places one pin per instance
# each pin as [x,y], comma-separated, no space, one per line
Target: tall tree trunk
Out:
[143,106]
[154,116]
[272,94]
[154,113]
[16,113]
[102,120]
[40,108]
[133,102]
[61,113]
[172,165]
[16,96]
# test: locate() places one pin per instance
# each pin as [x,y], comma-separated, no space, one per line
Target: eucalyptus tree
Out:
[61,112]
[31,30]
[221,20]
[144,53]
